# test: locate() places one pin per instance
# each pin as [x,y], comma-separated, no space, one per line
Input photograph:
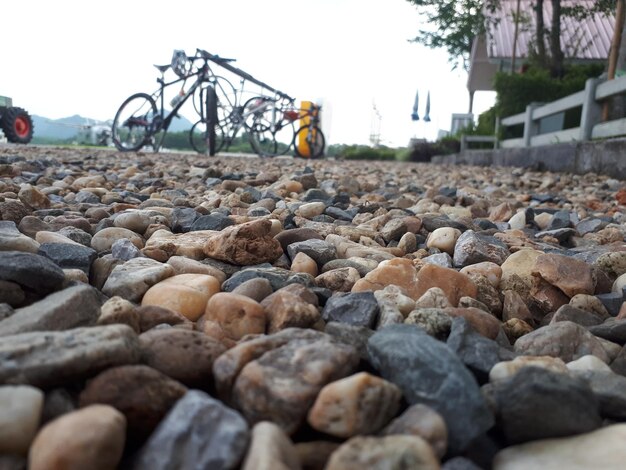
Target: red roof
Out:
[589,39]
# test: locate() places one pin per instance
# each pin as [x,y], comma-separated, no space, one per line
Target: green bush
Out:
[517,91]
[364,152]
[421,151]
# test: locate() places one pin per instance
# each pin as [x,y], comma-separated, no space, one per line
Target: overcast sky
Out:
[66,57]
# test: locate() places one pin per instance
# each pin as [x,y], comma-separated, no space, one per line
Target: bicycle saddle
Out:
[162,68]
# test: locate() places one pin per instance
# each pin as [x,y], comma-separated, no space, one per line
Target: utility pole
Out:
[614,55]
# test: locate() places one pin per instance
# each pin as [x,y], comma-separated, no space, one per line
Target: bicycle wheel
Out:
[197,137]
[309,142]
[134,123]
[211,120]
[226,97]
[261,140]
[270,132]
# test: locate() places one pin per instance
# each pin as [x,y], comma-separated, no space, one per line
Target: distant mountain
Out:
[70,127]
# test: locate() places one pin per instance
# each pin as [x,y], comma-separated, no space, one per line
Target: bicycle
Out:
[309,140]
[265,119]
[139,120]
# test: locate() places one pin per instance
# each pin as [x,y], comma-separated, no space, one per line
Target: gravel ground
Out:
[174,311]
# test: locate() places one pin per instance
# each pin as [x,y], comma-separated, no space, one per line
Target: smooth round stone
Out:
[517,271]
[311,209]
[389,452]
[119,310]
[137,222]
[589,303]
[518,221]
[53,237]
[408,242]
[443,238]
[490,270]
[421,420]
[183,265]
[619,284]
[303,263]
[588,362]
[90,438]
[600,449]
[11,239]
[236,315]
[359,404]
[104,239]
[270,449]
[75,275]
[293,186]
[257,289]
[507,369]
[187,294]
[276,227]
[543,220]
[20,414]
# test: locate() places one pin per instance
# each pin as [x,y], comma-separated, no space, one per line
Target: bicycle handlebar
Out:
[246,76]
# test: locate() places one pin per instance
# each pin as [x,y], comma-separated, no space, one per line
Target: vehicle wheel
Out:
[313,142]
[17,125]
[268,139]
[211,120]
[226,98]
[261,140]
[197,137]
[135,123]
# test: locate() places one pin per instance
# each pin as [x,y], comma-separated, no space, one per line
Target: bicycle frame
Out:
[159,95]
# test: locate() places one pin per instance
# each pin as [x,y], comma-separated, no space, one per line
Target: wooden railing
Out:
[590,127]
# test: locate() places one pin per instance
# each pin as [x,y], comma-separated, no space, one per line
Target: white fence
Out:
[591,126]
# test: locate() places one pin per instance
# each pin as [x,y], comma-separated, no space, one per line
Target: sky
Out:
[65,57]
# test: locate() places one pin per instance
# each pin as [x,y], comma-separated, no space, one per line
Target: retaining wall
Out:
[607,157]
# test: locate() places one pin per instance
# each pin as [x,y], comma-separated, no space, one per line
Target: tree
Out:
[455,24]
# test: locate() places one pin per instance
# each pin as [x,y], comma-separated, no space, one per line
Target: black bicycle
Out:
[140,121]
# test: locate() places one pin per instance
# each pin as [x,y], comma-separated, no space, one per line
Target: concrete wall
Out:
[607,157]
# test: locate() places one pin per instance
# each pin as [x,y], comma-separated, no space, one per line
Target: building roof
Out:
[586,40]
[589,39]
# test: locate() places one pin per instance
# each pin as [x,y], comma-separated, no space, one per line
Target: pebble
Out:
[444,239]
[20,415]
[384,452]
[359,404]
[422,421]
[270,449]
[292,306]
[92,437]
[187,294]
[142,394]
[598,449]
[480,277]
[183,355]
[236,315]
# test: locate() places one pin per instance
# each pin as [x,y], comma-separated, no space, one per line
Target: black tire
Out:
[135,124]
[211,120]
[265,139]
[226,98]
[197,137]
[17,125]
[314,142]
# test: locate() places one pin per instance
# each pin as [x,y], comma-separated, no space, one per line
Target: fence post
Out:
[463,143]
[530,128]
[592,111]
[496,133]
